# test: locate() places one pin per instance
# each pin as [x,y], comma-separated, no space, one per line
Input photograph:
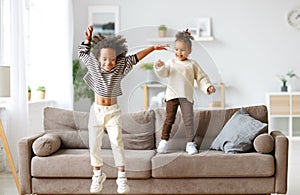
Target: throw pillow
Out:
[46,144]
[264,143]
[238,133]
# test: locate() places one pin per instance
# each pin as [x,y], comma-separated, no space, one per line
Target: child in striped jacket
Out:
[107,63]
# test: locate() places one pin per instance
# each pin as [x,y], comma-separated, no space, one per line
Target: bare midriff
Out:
[104,101]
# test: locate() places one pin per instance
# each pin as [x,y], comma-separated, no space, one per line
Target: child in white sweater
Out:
[181,73]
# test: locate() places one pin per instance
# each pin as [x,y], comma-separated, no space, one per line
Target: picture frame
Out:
[105,19]
[194,32]
[204,27]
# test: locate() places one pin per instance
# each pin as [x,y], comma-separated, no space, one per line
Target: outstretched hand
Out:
[161,47]
[88,33]
[159,63]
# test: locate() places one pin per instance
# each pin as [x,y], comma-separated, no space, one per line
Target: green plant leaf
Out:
[81,90]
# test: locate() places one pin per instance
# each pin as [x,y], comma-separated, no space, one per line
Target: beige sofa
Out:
[66,169]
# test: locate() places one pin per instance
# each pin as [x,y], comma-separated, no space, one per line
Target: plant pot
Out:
[162,33]
[29,96]
[41,94]
[151,76]
[284,88]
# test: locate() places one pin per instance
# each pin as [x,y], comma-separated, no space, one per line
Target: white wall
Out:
[253,42]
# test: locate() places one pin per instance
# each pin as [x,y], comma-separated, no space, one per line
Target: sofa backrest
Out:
[72,128]
[207,125]
[142,130]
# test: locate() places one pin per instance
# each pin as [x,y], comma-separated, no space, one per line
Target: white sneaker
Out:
[191,148]
[162,146]
[97,183]
[123,187]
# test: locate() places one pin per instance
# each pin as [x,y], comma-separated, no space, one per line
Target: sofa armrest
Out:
[25,153]
[281,149]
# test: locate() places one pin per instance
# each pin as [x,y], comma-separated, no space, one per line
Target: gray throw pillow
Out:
[238,133]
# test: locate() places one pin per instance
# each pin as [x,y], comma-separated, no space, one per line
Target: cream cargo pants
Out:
[108,117]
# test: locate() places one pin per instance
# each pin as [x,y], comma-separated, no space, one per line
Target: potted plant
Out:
[284,78]
[41,92]
[29,93]
[162,30]
[146,65]
[150,74]
[81,90]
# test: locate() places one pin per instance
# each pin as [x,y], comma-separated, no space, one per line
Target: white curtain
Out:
[49,60]
[51,49]
[17,106]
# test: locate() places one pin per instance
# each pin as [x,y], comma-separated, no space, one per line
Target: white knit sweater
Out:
[181,76]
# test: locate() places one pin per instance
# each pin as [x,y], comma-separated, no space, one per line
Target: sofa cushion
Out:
[238,133]
[211,163]
[72,128]
[46,144]
[138,131]
[264,143]
[74,163]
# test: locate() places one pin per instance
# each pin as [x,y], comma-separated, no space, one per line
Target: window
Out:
[4,34]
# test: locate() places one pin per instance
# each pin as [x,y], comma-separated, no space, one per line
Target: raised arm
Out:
[143,53]
[85,54]
[84,47]
[88,35]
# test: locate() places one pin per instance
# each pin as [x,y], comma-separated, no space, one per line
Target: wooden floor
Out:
[8,187]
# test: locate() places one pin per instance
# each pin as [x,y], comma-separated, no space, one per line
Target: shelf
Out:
[38,101]
[172,39]
[280,116]
[218,104]
[155,85]
[284,112]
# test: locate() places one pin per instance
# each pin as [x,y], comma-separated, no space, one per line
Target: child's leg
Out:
[114,130]
[96,130]
[171,110]
[188,118]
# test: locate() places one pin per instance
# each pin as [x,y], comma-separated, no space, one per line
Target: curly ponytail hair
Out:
[185,36]
[116,42]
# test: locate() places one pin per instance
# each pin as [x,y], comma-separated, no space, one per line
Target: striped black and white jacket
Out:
[102,82]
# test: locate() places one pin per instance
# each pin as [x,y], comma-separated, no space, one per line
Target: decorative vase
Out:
[284,88]
[151,76]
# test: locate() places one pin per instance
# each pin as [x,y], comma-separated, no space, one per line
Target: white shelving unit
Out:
[172,39]
[217,104]
[284,113]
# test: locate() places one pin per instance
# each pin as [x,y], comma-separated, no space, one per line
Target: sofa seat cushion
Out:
[210,163]
[75,163]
